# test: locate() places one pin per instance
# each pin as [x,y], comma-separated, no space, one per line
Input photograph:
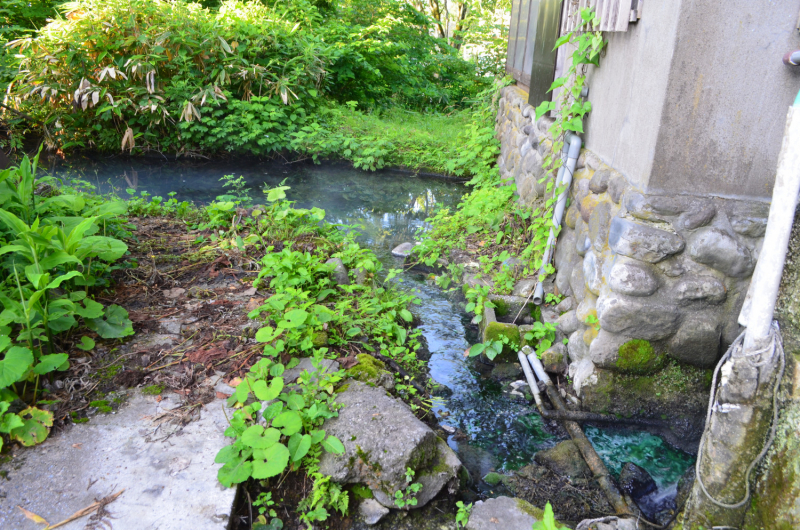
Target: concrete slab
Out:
[167,471]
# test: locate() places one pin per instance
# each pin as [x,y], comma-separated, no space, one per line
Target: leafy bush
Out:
[244,77]
[53,249]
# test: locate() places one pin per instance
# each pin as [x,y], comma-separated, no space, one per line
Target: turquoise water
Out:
[388,208]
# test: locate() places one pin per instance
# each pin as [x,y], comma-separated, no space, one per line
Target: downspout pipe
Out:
[569,154]
[758,314]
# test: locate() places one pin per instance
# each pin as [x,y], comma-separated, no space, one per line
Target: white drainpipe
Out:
[569,155]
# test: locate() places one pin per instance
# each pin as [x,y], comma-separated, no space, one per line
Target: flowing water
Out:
[496,433]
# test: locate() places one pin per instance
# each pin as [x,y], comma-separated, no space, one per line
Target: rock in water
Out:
[503,513]
[635,481]
[372,511]
[382,438]
[402,250]
[564,459]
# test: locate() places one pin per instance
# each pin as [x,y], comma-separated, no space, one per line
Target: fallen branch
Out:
[86,511]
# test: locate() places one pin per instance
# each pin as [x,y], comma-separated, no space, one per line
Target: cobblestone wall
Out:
[665,275]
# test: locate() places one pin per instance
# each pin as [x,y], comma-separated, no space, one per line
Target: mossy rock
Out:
[638,357]
[368,370]
[360,492]
[496,331]
[319,339]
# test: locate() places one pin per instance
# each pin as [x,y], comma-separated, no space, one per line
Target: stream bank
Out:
[491,429]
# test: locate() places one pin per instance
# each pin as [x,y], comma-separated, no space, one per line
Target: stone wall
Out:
[664,275]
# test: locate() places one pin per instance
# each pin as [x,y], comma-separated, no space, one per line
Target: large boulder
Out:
[721,251]
[564,459]
[642,242]
[503,513]
[382,438]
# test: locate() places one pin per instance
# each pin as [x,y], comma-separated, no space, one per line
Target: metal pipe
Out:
[767,277]
[569,154]
[792,58]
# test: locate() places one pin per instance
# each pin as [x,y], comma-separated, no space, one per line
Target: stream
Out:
[496,433]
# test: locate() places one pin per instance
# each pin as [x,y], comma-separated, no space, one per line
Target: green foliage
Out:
[543,334]
[52,253]
[548,522]
[243,77]
[462,515]
[407,496]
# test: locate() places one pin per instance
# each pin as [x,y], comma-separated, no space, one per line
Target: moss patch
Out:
[499,330]
[530,509]
[637,356]
[360,492]
[500,307]
[368,370]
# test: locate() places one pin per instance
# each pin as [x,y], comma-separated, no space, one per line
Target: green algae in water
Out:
[664,463]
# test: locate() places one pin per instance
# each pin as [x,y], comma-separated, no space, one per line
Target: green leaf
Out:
[34,428]
[562,40]
[91,309]
[115,324]
[268,393]
[294,319]
[317,436]
[64,277]
[105,248]
[257,437]
[270,462]
[13,367]
[295,402]
[476,349]
[406,315]
[290,421]
[237,470]
[299,446]
[272,411]
[86,344]
[49,363]
[10,421]
[324,294]
[266,334]
[333,445]
[227,454]
[276,194]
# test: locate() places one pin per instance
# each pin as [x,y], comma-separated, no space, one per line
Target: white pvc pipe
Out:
[570,153]
[523,360]
[767,277]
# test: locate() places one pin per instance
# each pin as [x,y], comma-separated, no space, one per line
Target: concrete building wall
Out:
[628,91]
[726,100]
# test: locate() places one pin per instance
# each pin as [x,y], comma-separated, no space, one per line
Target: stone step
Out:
[167,470]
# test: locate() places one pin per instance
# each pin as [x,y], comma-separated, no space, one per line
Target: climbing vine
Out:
[508,240]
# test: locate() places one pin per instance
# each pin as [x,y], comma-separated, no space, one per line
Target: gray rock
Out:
[509,307]
[700,216]
[568,323]
[604,350]
[583,373]
[402,250]
[382,437]
[642,242]
[563,277]
[705,288]
[372,511]
[554,359]
[502,513]
[721,251]
[672,267]
[658,207]
[571,217]
[582,243]
[748,218]
[565,460]
[565,249]
[339,272]
[636,317]
[599,225]
[326,366]
[567,304]
[577,348]
[577,284]
[361,275]
[599,182]
[697,342]
[633,278]
[616,187]
[587,307]
[524,287]
[592,273]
